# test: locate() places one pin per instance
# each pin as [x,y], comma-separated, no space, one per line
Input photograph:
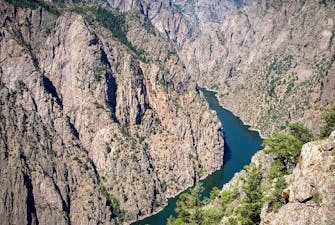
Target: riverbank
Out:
[251,127]
[158,210]
[241,144]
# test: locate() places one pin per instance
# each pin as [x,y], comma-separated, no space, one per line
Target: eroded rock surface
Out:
[311,191]
[90,131]
[272,62]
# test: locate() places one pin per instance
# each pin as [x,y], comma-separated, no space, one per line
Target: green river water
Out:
[240,145]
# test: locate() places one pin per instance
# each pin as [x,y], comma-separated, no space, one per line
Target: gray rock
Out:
[311,191]
[88,129]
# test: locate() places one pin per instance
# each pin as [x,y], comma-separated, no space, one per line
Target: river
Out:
[240,145]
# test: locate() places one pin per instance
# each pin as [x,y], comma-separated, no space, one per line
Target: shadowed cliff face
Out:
[90,131]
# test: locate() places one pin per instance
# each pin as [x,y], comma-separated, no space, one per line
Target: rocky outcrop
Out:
[94,129]
[311,191]
[307,199]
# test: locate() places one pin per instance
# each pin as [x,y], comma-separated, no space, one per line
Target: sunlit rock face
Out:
[95,129]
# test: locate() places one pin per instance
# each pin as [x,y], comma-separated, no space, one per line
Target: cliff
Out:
[271,62]
[94,129]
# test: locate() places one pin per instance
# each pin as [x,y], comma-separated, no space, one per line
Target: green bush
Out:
[189,207]
[277,169]
[253,179]
[276,199]
[174,221]
[298,130]
[214,193]
[227,197]
[328,121]
[317,197]
[211,216]
[248,212]
[232,221]
[113,203]
[114,22]
[285,147]
[54,152]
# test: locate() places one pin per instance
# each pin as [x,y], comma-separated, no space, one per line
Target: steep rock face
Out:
[272,62]
[43,182]
[88,128]
[180,21]
[167,19]
[311,191]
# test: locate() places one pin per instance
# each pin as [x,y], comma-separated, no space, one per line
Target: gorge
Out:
[102,120]
[240,145]
[88,119]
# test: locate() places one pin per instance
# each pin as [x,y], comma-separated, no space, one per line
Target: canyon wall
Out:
[94,129]
[272,62]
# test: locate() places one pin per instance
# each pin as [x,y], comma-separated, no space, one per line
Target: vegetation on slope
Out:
[111,20]
[191,210]
[328,121]
[244,206]
[34,4]
[257,187]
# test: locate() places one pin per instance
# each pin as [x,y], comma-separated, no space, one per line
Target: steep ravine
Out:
[89,122]
[102,122]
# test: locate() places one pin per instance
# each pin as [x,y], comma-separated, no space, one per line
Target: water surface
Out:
[240,145]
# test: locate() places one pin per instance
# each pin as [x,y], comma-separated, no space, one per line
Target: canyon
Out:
[91,128]
[101,116]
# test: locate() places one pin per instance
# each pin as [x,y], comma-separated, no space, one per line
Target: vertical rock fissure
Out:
[139,115]
[111,85]
[104,58]
[65,205]
[111,94]
[154,196]
[51,89]
[140,85]
[31,209]
[73,129]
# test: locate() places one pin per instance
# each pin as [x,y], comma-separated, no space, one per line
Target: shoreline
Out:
[165,204]
[250,127]
[150,214]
